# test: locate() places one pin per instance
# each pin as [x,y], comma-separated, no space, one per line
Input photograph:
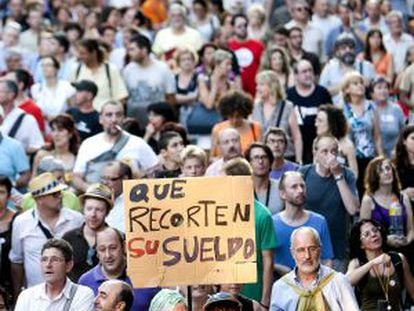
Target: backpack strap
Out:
[78,71]
[16,125]
[279,116]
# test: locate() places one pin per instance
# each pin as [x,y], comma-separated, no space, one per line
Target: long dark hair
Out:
[401,160]
[367,48]
[65,121]
[355,250]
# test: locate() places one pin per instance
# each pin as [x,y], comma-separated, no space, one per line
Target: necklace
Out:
[384,280]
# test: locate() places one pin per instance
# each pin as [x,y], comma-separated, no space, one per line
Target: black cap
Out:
[345,39]
[86,85]
[222,299]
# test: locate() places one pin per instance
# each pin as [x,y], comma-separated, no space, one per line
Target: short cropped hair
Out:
[273,130]
[193,152]
[237,167]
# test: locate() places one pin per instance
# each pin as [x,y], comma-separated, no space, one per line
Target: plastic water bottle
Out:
[396,218]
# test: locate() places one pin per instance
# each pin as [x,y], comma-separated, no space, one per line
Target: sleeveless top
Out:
[361,129]
[380,214]
[192,86]
[372,292]
[247,304]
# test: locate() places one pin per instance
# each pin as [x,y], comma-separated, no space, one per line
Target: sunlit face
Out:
[260,162]
[176,19]
[208,56]
[240,27]
[395,24]
[385,173]
[370,237]
[233,289]
[111,118]
[109,251]
[276,61]
[381,92]
[107,297]
[356,88]
[294,190]
[305,75]
[112,178]
[187,62]
[409,143]
[156,120]
[321,123]
[53,265]
[229,144]
[374,40]
[94,211]
[306,252]
[277,144]
[174,148]
[60,136]
[327,148]
[262,90]
[193,167]
[48,67]
[225,65]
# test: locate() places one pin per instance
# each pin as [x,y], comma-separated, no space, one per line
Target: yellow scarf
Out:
[311,300]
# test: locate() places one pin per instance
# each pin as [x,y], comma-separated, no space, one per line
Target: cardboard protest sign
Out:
[190,231]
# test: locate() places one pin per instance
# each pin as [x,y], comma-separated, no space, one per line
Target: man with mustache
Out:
[230,148]
[311,286]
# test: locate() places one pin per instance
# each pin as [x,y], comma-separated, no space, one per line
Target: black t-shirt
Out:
[308,108]
[87,124]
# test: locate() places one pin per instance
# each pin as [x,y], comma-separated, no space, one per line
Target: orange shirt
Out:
[382,64]
[155,10]
[246,137]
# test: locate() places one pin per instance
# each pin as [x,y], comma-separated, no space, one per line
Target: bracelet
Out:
[264,306]
[339,177]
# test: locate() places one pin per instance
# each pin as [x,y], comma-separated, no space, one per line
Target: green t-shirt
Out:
[265,240]
[69,200]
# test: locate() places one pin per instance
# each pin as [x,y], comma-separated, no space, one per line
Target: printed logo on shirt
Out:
[244,57]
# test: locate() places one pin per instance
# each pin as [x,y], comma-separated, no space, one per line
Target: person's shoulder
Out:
[316,216]
[88,277]
[93,139]
[24,217]
[84,292]
[72,215]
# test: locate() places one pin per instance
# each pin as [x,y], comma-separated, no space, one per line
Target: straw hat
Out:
[45,184]
[98,191]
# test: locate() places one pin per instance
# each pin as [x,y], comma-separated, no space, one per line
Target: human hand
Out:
[334,166]
[149,130]
[381,259]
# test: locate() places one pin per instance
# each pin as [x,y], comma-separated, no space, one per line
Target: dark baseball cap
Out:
[86,85]
[222,299]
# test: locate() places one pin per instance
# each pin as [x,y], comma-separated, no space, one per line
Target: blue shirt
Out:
[283,232]
[287,166]
[142,296]
[13,158]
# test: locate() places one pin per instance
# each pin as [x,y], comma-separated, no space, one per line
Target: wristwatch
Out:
[339,177]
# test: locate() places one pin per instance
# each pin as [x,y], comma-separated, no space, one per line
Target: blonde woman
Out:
[273,110]
[363,122]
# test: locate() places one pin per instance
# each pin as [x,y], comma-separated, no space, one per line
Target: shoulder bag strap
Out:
[78,71]
[120,143]
[108,76]
[253,131]
[16,125]
[279,116]
[72,293]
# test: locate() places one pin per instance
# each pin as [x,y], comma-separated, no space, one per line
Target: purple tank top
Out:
[380,214]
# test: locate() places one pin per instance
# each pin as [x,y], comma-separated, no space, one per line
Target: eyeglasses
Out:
[303,250]
[52,259]
[368,233]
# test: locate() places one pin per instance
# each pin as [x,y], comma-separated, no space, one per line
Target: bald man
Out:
[230,148]
[114,295]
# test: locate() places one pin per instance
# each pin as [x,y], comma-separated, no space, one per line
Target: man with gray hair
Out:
[311,285]
[230,148]
[397,41]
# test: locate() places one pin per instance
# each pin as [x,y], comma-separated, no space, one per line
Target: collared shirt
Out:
[28,239]
[338,293]
[215,168]
[398,49]
[36,299]
[142,296]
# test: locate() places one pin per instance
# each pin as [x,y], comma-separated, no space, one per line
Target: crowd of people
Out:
[313,99]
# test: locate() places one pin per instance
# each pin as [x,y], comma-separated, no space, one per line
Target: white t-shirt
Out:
[147,85]
[135,150]
[52,101]
[28,133]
